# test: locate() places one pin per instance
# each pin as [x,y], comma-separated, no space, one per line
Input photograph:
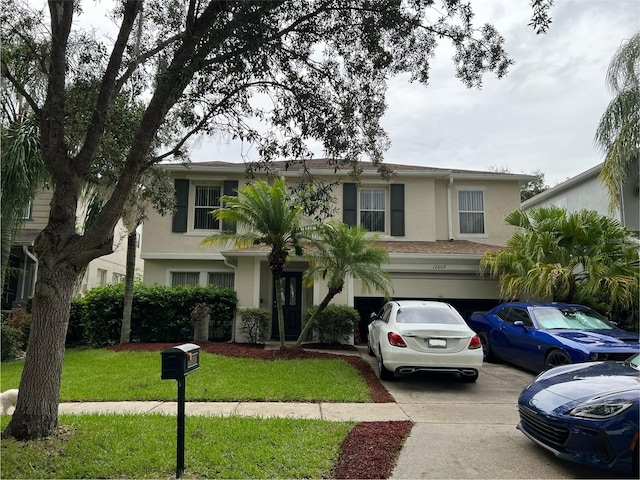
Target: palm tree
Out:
[267,216]
[23,174]
[618,133]
[337,251]
[556,256]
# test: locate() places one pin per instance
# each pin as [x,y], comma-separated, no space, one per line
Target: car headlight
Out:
[600,411]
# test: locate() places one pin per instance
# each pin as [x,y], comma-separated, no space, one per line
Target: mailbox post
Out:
[177,363]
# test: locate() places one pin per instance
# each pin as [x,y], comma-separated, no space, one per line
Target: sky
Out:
[541,117]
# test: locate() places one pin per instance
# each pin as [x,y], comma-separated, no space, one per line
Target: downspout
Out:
[449,211]
[26,251]
[235,277]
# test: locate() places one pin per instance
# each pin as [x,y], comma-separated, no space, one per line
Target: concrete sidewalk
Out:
[359,412]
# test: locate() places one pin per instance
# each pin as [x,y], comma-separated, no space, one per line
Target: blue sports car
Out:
[538,336]
[587,413]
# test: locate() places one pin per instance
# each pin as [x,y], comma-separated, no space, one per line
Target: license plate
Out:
[437,343]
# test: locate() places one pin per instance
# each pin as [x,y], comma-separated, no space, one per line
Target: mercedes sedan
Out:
[412,336]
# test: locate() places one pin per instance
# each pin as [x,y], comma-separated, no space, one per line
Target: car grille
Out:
[541,428]
[616,357]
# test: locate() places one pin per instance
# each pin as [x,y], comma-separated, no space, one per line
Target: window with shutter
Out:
[207,200]
[372,209]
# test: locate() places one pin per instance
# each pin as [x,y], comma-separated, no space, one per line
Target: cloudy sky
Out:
[543,115]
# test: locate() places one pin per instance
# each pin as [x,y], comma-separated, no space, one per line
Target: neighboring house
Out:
[587,192]
[435,223]
[101,271]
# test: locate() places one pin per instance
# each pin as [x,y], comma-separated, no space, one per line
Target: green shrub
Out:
[20,319]
[335,324]
[10,341]
[254,323]
[75,330]
[159,314]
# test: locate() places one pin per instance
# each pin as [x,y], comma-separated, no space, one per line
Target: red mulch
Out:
[370,450]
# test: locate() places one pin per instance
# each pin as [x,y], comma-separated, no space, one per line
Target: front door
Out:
[291,295]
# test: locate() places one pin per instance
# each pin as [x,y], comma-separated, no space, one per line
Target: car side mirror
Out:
[519,323]
[374,316]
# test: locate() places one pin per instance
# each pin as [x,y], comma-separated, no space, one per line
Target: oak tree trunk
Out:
[36,413]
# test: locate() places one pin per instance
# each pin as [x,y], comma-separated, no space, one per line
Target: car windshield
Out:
[634,361]
[570,318]
[428,315]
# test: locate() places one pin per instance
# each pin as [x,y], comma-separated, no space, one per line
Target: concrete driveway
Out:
[468,431]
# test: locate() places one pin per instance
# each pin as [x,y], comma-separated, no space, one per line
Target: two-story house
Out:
[20,284]
[586,191]
[435,223]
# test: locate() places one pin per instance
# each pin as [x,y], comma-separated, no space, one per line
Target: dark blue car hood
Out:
[585,382]
[613,338]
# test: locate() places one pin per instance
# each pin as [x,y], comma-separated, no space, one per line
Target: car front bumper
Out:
[586,445]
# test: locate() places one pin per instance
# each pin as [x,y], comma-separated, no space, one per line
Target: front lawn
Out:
[144,446]
[105,375]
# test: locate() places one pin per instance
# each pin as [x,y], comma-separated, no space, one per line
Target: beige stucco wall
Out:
[500,198]
[39,211]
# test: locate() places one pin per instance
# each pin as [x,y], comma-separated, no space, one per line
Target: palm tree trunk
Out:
[129,281]
[327,299]
[279,309]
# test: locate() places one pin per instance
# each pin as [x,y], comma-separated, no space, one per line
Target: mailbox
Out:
[179,361]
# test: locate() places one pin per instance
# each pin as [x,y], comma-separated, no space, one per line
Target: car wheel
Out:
[369,349]
[383,373]
[555,358]
[487,354]
[469,378]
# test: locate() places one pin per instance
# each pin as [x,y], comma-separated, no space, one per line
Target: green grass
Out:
[144,446]
[105,375]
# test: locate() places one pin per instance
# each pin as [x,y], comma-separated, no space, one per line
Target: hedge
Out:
[159,314]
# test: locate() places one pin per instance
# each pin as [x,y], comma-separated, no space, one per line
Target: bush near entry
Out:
[335,324]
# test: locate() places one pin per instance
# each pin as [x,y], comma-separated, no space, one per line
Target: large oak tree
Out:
[275,73]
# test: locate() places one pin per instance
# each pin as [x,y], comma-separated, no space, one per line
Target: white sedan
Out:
[409,336]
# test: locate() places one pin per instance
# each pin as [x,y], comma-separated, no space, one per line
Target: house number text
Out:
[439,266]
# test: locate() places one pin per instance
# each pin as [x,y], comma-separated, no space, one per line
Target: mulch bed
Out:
[370,450]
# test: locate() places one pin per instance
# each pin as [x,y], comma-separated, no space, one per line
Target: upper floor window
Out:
[207,200]
[471,211]
[372,209]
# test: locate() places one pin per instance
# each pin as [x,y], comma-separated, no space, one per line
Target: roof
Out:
[325,166]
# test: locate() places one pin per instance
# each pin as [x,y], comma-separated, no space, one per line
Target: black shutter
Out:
[229,188]
[182,205]
[349,204]
[397,210]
